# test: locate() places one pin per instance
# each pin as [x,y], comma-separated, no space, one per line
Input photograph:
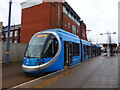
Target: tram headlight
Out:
[38,63]
[27,60]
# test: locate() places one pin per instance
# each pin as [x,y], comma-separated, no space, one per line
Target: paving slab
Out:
[102,72]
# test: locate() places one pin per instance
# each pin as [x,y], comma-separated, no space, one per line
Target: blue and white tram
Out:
[93,49]
[98,50]
[86,50]
[53,50]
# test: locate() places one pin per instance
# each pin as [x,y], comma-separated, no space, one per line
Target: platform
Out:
[100,72]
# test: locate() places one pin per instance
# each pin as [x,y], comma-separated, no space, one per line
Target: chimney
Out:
[1,26]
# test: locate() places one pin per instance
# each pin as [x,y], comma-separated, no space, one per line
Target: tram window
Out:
[51,48]
[84,49]
[87,50]
[71,48]
[77,49]
[74,49]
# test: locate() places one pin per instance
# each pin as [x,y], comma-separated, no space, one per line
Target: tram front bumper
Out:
[31,68]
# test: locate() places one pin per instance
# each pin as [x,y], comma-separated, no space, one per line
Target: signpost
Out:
[8,36]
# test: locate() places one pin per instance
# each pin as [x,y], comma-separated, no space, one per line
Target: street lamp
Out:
[88,31]
[8,37]
[108,41]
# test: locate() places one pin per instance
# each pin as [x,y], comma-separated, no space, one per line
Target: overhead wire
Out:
[106,16]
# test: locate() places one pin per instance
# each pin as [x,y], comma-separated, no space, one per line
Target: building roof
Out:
[13,27]
[30,3]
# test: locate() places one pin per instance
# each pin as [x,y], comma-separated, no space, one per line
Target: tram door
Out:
[70,53]
[67,53]
[84,52]
[90,52]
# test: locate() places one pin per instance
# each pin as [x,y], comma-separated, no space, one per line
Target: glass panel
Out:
[77,49]
[73,29]
[42,45]
[15,33]
[50,48]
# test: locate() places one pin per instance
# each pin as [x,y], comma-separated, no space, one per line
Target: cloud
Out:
[100,16]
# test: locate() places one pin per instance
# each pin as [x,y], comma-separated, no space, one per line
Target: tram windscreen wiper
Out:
[27,56]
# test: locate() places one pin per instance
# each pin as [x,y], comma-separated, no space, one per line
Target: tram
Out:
[54,49]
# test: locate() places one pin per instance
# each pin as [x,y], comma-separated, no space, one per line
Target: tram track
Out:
[12,75]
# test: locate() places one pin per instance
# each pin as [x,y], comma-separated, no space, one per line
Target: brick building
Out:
[14,33]
[40,16]
[1,27]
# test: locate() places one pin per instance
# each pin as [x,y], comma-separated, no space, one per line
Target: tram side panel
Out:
[83,53]
[87,52]
[71,50]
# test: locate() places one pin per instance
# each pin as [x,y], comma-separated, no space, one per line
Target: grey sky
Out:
[100,16]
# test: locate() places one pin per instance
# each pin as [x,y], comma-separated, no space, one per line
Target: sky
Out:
[99,16]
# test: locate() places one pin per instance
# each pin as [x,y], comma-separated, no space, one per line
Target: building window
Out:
[16,33]
[15,41]
[78,22]
[58,15]
[6,34]
[72,18]
[67,11]
[2,36]
[77,31]
[68,25]
[10,41]
[73,29]
[71,15]
[11,34]
[64,10]
[75,20]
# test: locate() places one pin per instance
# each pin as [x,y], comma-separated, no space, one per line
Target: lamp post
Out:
[8,36]
[108,41]
[88,31]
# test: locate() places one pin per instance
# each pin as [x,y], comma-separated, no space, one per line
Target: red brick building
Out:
[39,16]
[1,27]
[83,30]
[14,33]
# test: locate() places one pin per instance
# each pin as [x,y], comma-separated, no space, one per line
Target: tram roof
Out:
[98,46]
[62,31]
[85,42]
